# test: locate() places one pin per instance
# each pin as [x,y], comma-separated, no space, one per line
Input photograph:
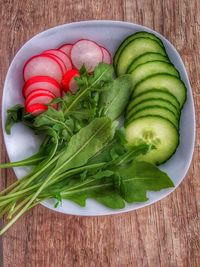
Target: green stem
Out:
[10,187]
[26,162]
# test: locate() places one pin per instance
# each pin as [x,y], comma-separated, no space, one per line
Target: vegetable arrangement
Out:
[86,153]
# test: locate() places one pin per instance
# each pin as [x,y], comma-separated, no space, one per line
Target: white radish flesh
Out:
[42,65]
[64,57]
[87,53]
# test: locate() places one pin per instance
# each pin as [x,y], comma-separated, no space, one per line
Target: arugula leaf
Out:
[139,177]
[86,143]
[115,96]
[14,114]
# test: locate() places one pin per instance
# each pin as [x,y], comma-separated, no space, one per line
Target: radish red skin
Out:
[67,78]
[39,91]
[36,109]
[43,82]
[66,48]
[62,55]
[87,53]
[42,65]
[39,99]
[106,55]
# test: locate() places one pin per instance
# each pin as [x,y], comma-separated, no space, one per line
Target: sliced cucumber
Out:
[151,102]
[131,38]
[135,49]
[145,70]
[155,94]
[147,57]
[155,110]
[156,131]
[164,82]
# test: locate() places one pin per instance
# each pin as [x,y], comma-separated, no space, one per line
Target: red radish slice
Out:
[60,62]
[39,99]
[86,52]
[43,82]
[39,91]
[43,65]
[66,48]
[106,55]
[67,80]
[36,109]
[64,57]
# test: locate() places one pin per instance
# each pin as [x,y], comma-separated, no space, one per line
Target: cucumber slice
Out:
[155,110]
[135,49]
[145,70]
[157,131]
[151,102]
[155,94]
[147,57]
[164,82]
[131,38]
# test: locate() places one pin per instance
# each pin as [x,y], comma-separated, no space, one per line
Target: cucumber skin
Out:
[116,65]
[155,90]
[130,120]
[178,111]
[166,57]
[169,64]
[185,95]
[178,139]
[116,56]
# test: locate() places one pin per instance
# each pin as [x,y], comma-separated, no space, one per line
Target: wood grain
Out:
[165,234]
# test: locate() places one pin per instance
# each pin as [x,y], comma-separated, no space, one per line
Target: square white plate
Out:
[22,142]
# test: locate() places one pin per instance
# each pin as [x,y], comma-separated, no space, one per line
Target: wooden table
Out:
[164,234]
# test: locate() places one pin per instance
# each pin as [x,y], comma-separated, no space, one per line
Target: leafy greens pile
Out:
[84,153]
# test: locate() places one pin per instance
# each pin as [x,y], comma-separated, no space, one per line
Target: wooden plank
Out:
[163,234]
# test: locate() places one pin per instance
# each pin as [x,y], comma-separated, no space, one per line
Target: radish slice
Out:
[44,82]
[68,82]
[60,62]
[66,48]
[36,109]
[39,99]
[87,53]
[38,92]
[106,55]
[43,65]
[64,57]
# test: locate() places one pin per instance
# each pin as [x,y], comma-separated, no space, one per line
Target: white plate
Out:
[22,143]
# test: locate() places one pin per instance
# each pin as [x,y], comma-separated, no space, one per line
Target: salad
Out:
[106,126]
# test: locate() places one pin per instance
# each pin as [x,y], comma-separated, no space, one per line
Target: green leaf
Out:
[87,83]
[79,199]
[14,114]
[115,96]
[85,144]
[129,183]
[102,192]
[139,177]
[103,73]
[103,174]
[50,118]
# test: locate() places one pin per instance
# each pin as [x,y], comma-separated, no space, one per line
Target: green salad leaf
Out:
[115,96]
